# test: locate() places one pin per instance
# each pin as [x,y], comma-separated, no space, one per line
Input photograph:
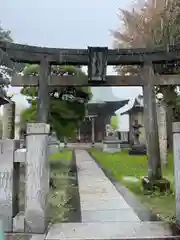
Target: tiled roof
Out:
[103,94]
[134,103]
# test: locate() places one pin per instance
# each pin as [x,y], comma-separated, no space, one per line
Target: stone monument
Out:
[137,148]
[8,121]
[136,132]
[162,128]
[111,142]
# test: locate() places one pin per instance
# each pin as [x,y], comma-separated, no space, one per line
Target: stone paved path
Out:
[100,201]
[105,214]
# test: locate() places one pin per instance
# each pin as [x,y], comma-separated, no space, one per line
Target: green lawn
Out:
[129,170]
[65,154]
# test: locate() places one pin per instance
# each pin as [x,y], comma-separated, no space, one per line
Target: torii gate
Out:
[97,59]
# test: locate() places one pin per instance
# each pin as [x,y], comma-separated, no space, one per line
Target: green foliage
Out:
[33,69]
[5,73]
[63,115]
[29,114]
[64,155]
[114,122]
[152,26]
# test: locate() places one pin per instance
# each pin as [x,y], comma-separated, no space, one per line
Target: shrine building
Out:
[100,108]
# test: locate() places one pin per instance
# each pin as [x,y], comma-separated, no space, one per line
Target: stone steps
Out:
[110,230]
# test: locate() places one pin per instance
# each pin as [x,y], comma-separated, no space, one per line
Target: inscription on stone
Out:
[8,120]
[97,63]
[37,172]
[5,185]
[37,177]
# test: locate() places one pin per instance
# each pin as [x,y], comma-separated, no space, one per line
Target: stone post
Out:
[92,131]
[150,124]
[79,134]
[8,123]
[162,130]
[43,91]
[9,184]
[1,128]
[65,142]
[176,151]
[37,177]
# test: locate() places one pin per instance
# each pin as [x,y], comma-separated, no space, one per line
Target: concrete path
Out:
[105,214]
[100,201]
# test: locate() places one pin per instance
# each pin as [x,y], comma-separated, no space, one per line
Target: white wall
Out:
[124,123]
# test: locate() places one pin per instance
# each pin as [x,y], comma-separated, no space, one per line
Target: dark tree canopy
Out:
[5,73]
[5,35]
[63,115]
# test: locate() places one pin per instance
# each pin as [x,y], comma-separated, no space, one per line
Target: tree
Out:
[64,116]
[5,35]
[151,24]
[5,71]
[115,122]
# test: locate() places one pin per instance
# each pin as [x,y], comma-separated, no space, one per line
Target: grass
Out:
[64,154]
[129,170]
[60,196]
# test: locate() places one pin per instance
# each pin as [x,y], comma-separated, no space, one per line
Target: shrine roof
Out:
[4,100]
[104,101]
[137,104]
[103,94]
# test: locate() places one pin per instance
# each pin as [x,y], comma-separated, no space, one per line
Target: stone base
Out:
[111,148]
[18,222]
[162,185]
[111,144]
[138,150]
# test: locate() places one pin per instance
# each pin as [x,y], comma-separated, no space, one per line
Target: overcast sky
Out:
[59,23]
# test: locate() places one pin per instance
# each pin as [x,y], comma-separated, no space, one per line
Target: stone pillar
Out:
[8,123]
[150,124]
[1,128]
[162,130]
[37,177]
[65,142]
[92,132]
[9,183]
[176,151]
[43,91]
[79,134]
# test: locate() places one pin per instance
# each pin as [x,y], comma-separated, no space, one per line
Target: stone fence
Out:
[35,158]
